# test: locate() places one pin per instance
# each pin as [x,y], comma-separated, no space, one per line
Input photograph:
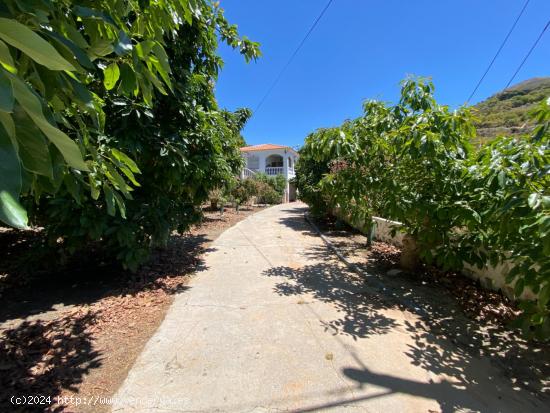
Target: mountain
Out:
[507,112]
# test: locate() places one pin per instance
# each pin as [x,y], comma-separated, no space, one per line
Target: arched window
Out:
[274,161]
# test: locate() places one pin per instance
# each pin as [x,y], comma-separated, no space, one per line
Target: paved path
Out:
[276,323]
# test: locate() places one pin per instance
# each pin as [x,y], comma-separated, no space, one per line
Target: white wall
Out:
[263,155]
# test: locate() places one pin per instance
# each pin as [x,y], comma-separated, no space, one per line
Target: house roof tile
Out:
[264,147]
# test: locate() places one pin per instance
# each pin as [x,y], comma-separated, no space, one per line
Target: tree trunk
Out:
[409,254]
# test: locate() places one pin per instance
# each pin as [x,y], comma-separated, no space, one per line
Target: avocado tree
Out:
[509,183]
[404,162]
[109,128]
[412,162]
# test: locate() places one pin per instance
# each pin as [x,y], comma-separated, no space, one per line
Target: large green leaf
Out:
[101,47]
[144,48]
[122,157]
[6,93]
[88,13]
[72,33]
[121,205]
[24,39]
[82,96]
[72,48]
[162,64]
[11,211]
[31,104]
[7,121]
[5,58]
[111,75]
[33,146]
[109,199]
[128,83]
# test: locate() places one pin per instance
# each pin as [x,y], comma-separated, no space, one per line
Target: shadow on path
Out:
[360,317]
[445,342]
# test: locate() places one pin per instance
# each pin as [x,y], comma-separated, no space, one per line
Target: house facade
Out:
[271,160]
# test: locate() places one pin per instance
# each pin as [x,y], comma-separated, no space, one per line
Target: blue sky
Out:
[362,49]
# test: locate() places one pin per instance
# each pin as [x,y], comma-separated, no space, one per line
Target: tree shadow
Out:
[344,290]
[46,342]
[480,357]
[362,315]
[88,279]
[449,341]
[42,358]
[448,338]
[294,219]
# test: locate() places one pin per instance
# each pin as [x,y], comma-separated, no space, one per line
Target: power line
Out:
[498,51]
[528,54]
[292,57]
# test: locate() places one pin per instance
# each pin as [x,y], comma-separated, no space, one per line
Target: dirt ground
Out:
[476,320]
[77,332]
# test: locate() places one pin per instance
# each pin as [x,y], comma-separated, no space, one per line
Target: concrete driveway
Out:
[276,323]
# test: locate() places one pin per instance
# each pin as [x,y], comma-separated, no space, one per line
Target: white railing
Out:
[247,173]
[269,170]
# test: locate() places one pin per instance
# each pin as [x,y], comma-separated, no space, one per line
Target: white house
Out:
[271,160]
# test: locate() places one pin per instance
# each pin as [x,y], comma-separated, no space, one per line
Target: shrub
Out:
[243,191]
[270,189]
[217,198]
[268,195]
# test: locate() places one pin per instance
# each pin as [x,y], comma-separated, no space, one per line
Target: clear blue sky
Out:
[361,49]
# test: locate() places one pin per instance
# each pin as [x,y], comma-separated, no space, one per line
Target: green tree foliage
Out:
[412,163]
[509,184]
[266,190]
[108,121]
[309,172]
[402,162]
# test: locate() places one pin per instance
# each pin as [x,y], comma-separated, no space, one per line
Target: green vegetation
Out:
[413,163]
[309,172]
[266,189]
[263,188]
[109,128]
[243,191]
[508,112]
[270,188]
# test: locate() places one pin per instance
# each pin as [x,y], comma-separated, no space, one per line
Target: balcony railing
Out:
[274,170]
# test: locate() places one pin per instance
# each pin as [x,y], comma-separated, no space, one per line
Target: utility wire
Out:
[528,54]
[498,51]
[292,57]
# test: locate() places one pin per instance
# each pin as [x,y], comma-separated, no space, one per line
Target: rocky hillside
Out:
[506,113]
